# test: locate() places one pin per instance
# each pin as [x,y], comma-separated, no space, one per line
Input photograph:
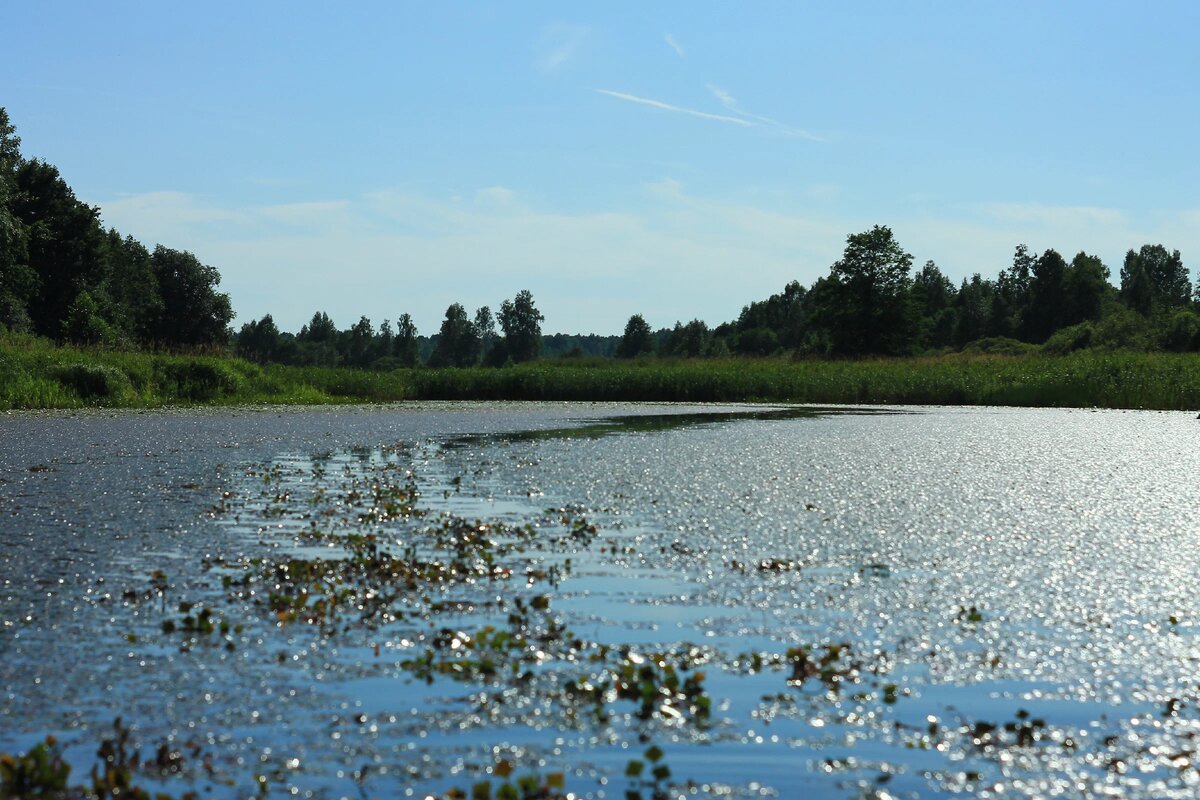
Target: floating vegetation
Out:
[367,620]
[43,771]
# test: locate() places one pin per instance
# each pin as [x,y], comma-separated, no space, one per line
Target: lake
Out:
[622,600]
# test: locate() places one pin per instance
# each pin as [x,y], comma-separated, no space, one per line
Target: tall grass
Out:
[37,374]
[1138,380]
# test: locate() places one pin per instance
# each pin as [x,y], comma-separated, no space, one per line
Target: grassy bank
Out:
[35,374]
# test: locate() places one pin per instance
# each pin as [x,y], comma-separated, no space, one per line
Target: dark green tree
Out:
[407,348]
[690,341]
[522,325]
[973,308]
[1136,292]
[385,342]
[131,288]
[360,343]
[83,323]
[637,339]
[871,312]
[485,328]
[259,340]
[457,340]
[933,297]
[320,329]
[63,241]
[1047,296]
[1086,287]
[1153,278]
[194,312]
[18,282]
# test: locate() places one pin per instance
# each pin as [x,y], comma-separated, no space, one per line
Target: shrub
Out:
[998,345]
[1068,340]
[1180,332]
[94,381]
[196,380]
[1122,330]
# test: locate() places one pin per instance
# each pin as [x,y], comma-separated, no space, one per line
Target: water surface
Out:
[906,602]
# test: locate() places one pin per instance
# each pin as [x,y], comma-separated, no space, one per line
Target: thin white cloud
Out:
[731,104]
[646,101]
[560,44]
[676,46]
[306,214]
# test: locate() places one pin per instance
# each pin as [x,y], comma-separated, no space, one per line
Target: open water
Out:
[784,602]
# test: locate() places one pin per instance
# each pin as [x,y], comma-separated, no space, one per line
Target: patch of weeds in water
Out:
[832,667]
[660,685]
[969,615]
[653,781]
[42,772]
[533,786]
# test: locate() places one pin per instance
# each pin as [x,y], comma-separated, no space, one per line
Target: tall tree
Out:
[637,338]
[194,312]
[1047,296]
[1153,278]
[131,288]
[933,298]
[18,282]
[64,242]
[319,329]
[691,340]
[1085,286]
[360,341]
[458,342]
[485,329]
[522,325]
[385,342]
[407,349]
[259,340]
[872,314]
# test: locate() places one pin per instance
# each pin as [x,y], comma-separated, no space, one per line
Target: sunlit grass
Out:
[37,374]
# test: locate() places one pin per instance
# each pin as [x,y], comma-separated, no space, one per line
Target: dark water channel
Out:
[409,600]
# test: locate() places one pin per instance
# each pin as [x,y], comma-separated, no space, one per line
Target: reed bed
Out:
[35,374]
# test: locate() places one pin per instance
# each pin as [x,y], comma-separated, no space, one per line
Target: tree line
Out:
[873,303]
[64,276]
[511,336]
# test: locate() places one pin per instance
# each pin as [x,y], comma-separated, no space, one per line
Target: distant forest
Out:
[66,278]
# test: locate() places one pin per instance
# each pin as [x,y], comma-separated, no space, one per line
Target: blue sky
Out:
[676,160]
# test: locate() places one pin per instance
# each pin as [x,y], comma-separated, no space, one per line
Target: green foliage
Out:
[1047,297]
[998,345]
[39,773]
[457,340]
[689,341]
[96,382]
[406,346]
[1068,340]
[194,313]
[1180,331]
[259,340]
[198,380]
[521,322]
[34,374]
[43,773]
[1154,279]
[63,276]
[870,312]
[637,339]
